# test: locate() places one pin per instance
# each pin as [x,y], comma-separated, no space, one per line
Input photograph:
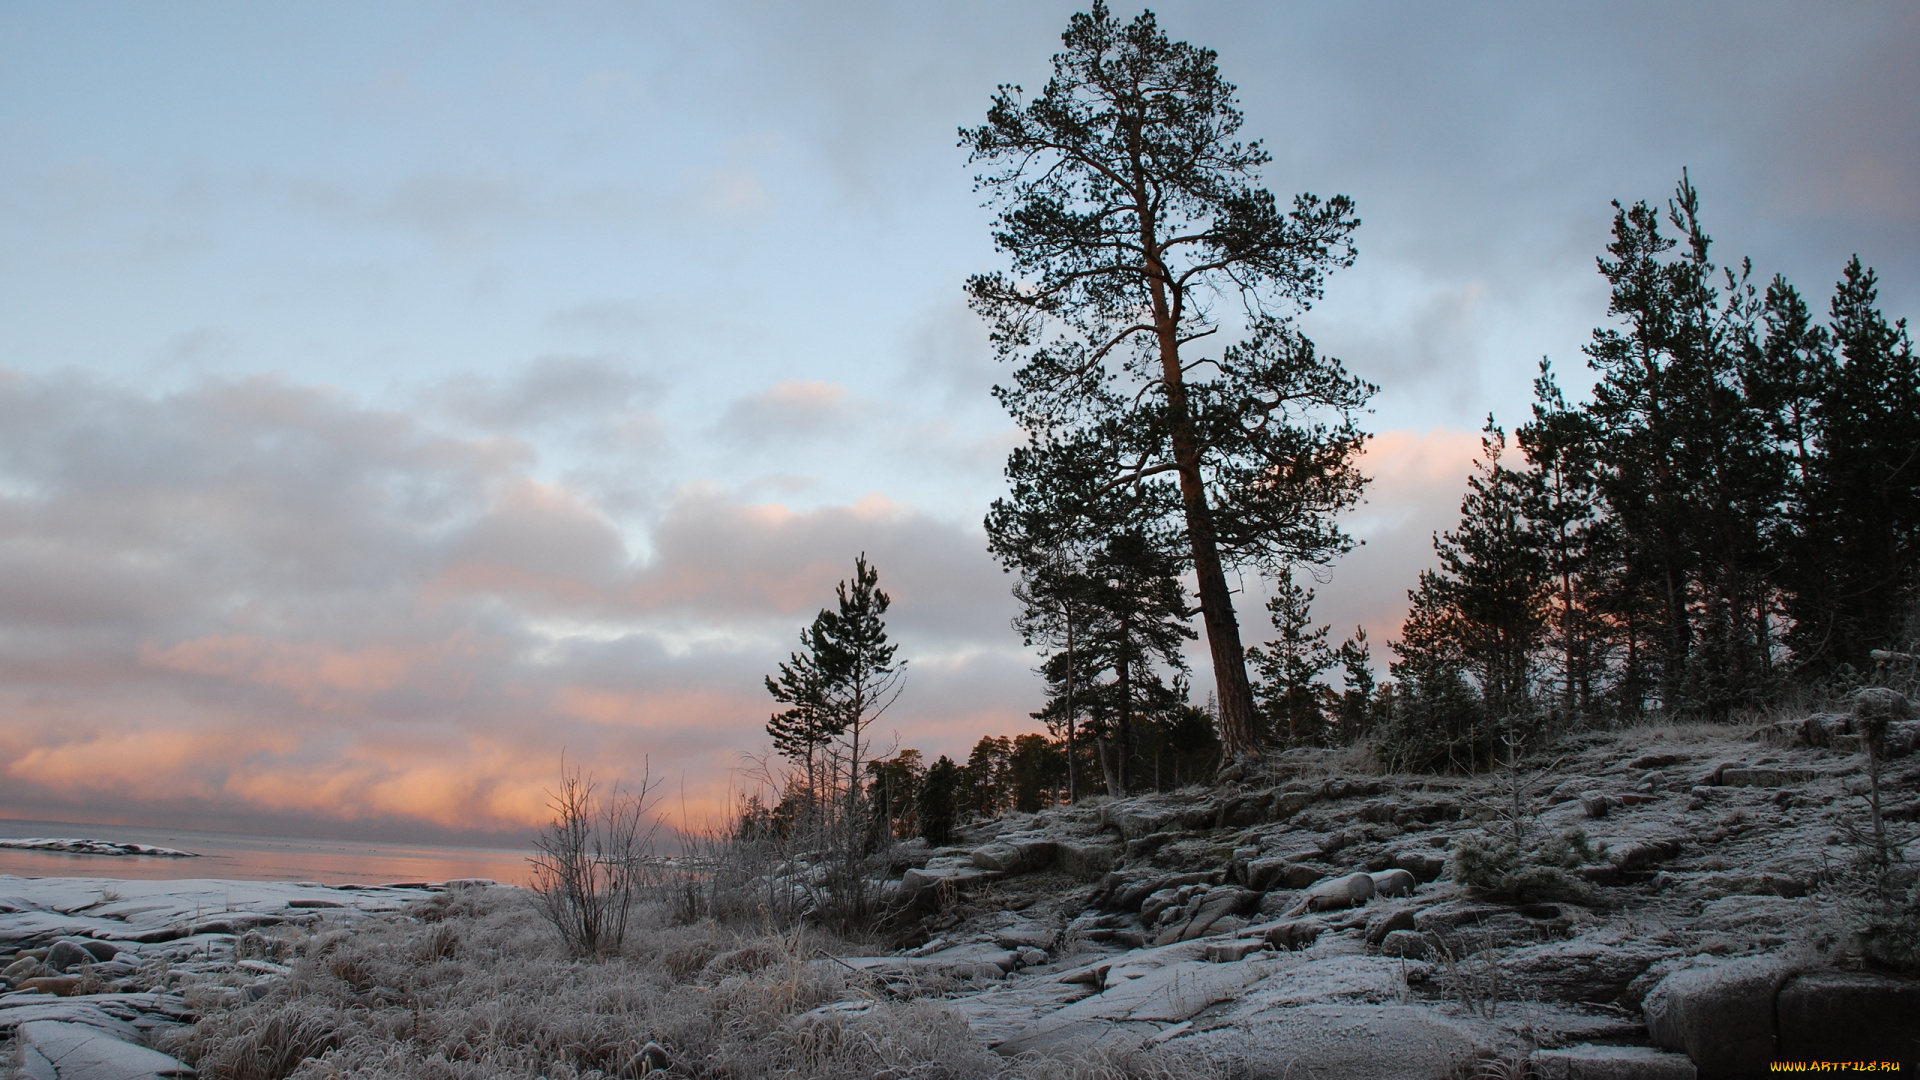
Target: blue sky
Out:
[394,392]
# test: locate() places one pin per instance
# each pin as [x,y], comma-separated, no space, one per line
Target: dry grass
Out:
[473,984]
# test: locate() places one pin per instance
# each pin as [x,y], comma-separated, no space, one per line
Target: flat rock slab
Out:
[38,910]
[1849,1016]
[1611,1063]
[1137,1009]
[1338,1042]
[54,1050]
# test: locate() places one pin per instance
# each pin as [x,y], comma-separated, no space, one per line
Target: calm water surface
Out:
[256,858]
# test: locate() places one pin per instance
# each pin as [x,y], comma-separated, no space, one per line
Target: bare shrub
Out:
[593,864]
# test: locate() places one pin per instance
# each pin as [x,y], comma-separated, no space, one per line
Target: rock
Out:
[1288,803]
[56,1050]
[1031,957]
[25,967]
[1293,932]
[1656,761]
[1134,819]
[1591,968]
[1654,781]
[1587,1062]
[66,954]
[1721,1015]
[1880,702]
[1133,1010]
[1145,846]
[102,951]
[1266,874]
[57,985]
[1086,860]
[652,1058]
[1349,891]
[1214,906]
[1425,866]
[1388,922]
[1380,1042]
[1742,776]
[1392,883]
[1227,952]
[1849,1016]
[1027,937]
[1407,944]
[1017,856]
[1595,804]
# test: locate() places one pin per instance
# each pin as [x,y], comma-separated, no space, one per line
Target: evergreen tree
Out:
[1689,474]
[1566,518]
[940,801]
[1290,667]
[1862,520]
[987,787]
[1034,769]
[1127,208]
[1354,710]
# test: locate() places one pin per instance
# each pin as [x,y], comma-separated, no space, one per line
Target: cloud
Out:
[792,409]
[252,601]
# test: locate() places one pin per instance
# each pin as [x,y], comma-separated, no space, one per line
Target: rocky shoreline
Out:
[1303,922]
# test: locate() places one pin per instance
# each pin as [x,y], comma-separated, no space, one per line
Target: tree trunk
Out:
[1239,734]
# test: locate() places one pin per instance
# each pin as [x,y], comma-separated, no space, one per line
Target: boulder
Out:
[1588,1062]
[1290,934]
[1595,804]
[1748,776]
[1145,846]
[1408,945]
[67,954]
[1228,952]
[1285,804]
[1719,1015]
[1880,702]
[1016,856]
[1349,891]
[1849,1016]
[1386,922]
[1392,883]
[1085,859]
[1133,819]
[1425,866]
[1594,968]
[1266,874]
[1210,909]
[57,985]
[56,1050]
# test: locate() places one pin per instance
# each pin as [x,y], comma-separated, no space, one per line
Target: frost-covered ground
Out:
[74,846]
[1166,935]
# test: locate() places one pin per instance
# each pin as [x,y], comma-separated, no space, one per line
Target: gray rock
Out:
[1387,922]
[1721,1015]
[55,1050]
[1595,804]
[1591,968]
[1292,933]
[1016,856]
[1849,1016]
[1086,860]
[1145,846]
[1878,702]
[1265,874]
[1227,952]
[1425,866]
[1587,1062]
[1764,777]
[1381,1042]
[1407,944]
[1392,883]
[1349,891]
[66,954]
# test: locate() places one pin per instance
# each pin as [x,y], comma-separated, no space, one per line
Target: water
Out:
[256,858]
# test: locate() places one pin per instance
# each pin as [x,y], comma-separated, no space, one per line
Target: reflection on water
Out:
[256,858]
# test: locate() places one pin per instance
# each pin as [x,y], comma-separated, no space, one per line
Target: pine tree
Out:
[1127,208]
[939,804]
[1863,517]
[1290,667]
[1354,710]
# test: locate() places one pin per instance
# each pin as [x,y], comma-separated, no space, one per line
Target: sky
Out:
[398,399]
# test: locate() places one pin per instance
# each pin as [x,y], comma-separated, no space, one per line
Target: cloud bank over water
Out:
[392,398]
